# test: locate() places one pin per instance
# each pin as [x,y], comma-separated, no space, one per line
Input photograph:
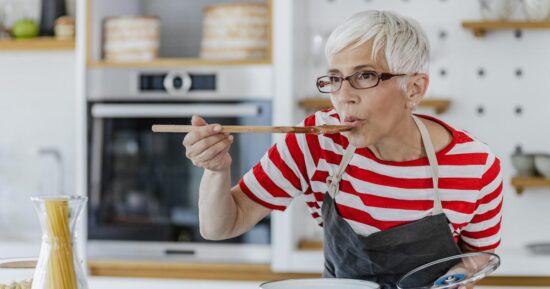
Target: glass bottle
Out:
[59,265]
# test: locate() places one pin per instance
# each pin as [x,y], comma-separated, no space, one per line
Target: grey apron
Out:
[385,256]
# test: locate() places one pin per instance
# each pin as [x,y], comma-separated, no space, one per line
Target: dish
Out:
[542,164]
[319,283]
[16,273]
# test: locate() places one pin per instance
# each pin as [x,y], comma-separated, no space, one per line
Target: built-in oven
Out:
[143,191]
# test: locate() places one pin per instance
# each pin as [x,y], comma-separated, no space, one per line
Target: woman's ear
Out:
[417,87]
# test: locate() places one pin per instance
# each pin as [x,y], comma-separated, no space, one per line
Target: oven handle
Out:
[173,110]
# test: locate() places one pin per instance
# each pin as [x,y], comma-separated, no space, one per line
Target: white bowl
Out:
[496,9]
[542,164]
[524,164]
[16,271]
[536,10]
[319,283]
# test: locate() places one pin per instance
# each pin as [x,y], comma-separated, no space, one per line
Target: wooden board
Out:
[521,183]
[205,271]
[480,28]
[176,62]
[40,43]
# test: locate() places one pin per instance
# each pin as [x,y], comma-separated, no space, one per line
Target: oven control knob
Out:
[177,82]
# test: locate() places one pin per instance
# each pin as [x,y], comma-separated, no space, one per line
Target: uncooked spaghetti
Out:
[60,269]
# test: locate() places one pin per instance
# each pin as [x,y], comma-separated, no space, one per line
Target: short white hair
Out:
[405,43]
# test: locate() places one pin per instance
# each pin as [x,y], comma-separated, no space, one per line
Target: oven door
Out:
[141,185]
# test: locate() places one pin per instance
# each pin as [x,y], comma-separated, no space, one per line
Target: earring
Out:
[412,105]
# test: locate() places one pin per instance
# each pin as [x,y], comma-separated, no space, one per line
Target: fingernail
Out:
[231,138]
[217,128]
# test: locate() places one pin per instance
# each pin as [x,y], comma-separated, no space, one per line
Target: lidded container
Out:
[131,38]
[59,265]
[235,31]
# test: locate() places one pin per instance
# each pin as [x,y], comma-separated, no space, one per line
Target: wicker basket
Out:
[131,38]
[235,31]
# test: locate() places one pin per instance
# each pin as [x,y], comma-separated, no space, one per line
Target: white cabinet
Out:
[290,48]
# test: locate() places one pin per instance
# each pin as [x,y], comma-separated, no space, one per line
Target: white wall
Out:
[37,110]
[499,91]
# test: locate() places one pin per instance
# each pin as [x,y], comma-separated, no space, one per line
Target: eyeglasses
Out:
[358,80]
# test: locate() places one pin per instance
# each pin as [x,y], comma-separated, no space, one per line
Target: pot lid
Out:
[452,271]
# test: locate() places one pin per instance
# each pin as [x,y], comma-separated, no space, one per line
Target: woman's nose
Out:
[347,94]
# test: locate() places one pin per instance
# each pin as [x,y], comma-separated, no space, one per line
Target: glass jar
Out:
[59,265]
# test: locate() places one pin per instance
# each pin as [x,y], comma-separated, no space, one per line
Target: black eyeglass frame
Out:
[380,77]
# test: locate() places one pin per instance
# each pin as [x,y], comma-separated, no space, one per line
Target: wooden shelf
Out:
[521,183]
[171,62]
[40,43]
[480,28]
[176,62]
[439,105]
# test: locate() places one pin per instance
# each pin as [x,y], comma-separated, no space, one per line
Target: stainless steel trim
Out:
[96,162]
[173,110]
[249,82]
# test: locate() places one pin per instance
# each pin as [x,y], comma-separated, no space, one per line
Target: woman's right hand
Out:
[207,147]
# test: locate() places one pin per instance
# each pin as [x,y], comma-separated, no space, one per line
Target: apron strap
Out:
[333,181]
[432,159]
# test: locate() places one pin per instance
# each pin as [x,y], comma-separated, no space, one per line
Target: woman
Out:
[403,189]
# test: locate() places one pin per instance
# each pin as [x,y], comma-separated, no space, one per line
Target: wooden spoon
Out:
[322,129]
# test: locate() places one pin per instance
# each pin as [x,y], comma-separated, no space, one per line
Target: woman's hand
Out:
[207,147]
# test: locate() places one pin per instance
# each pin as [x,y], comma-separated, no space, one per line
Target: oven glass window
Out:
[144,188]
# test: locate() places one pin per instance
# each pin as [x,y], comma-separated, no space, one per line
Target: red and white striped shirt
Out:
[376,194]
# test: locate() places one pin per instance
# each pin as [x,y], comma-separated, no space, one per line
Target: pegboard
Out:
[499,86]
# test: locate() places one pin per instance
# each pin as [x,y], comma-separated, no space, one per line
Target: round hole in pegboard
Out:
[442,34]
[480,72]
[518,110]
[443,72]
[518,33]
[518,72]
[480,110]
[518,149]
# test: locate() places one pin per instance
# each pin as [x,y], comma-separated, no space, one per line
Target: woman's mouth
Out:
[352,121]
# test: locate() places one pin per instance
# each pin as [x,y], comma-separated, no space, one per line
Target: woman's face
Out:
[374,112]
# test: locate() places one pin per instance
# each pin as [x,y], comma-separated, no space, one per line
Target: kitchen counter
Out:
[517,262]
[123,283]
